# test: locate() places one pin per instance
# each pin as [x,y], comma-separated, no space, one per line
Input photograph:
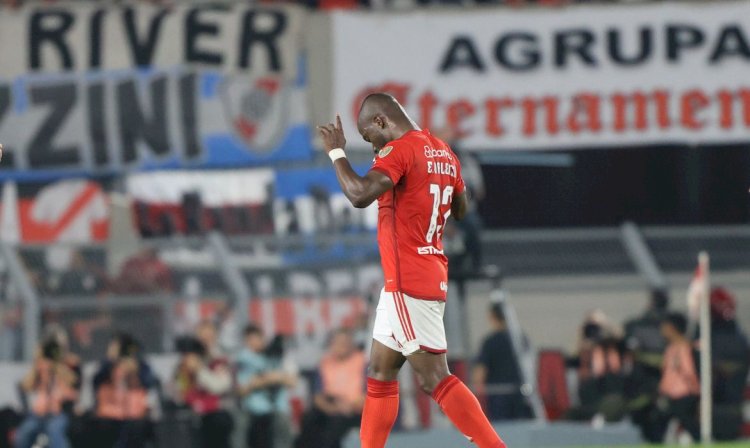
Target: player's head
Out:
[382,119]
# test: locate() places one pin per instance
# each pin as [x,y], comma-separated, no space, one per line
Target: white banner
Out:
[555,78]
[73,37]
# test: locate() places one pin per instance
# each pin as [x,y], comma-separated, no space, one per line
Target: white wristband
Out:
[336,154]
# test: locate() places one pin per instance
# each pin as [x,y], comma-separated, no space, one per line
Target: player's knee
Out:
[429,381]
[381,372]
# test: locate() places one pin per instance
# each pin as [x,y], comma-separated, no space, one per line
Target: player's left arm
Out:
[360,190]
[459,205]
[460,202]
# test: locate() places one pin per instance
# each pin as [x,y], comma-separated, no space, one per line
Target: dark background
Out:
[606,186]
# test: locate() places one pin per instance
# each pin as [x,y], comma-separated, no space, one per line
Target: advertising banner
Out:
[577,77]
[104,89]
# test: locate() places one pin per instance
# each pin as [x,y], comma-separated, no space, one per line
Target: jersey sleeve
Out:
[394,160]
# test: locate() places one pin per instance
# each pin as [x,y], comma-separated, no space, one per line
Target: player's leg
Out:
[381,402]
[425,348]
[458,403]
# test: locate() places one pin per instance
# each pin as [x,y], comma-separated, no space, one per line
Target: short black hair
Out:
[660,298]
[252,329]
[497,312]
[677,320]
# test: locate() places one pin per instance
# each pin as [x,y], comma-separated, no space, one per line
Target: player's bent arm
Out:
[459,205]
[361,191]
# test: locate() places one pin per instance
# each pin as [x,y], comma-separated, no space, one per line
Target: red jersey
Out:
[426,174]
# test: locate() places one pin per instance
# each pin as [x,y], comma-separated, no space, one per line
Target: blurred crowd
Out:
[647,372]
[212,398]
[650,371]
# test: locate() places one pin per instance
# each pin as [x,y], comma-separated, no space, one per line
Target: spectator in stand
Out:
[600,371]
[263,383]
[645,344]
[144,273]
[10,327]
[121,389]
[202,381]
[679,387]
[731,361]
[53,385]
[81,277]
[497,374]
[340,397]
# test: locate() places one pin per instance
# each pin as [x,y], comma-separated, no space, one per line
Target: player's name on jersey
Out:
[441,168]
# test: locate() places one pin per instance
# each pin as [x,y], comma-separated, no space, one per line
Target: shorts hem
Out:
[435,351]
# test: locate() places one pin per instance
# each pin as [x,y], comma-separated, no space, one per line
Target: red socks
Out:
[381,409]
[456,400]
[463,409]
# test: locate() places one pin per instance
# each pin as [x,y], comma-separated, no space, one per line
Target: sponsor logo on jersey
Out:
[443,286]
[385,151]
[429,250]
[431,153]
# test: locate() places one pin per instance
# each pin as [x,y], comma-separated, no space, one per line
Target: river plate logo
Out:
[257,110]
[385,151]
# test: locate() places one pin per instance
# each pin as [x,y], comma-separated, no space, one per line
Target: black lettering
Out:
[188,118]
[574,42]
[194,28]
[60,99]
[135,126]
[97,123]
[732,42]
[252,34]
[645,46]
[529,53]
[461,53]
[96,38]
[6,99]
[143,50]
[50,26]
[681,37]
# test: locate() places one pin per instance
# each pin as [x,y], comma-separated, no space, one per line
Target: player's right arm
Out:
[360,190]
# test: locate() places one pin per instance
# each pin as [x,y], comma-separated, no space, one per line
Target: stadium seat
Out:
[552,385]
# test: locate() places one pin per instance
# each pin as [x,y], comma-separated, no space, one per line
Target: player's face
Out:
[374,134]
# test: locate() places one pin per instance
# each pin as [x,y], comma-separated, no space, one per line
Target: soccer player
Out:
[416,179]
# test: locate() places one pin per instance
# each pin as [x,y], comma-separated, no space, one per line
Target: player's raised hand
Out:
[333,135]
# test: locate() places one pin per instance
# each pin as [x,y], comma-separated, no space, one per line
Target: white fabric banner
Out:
[584,76]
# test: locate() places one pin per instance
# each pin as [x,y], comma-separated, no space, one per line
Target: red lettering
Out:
[585,113]
[692,102]
[745,97]
[494,125]
[640,101]
[427,103]
[726,119]
[457,112]
[530,105]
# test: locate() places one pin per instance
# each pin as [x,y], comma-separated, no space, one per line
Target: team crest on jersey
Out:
[385,151]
